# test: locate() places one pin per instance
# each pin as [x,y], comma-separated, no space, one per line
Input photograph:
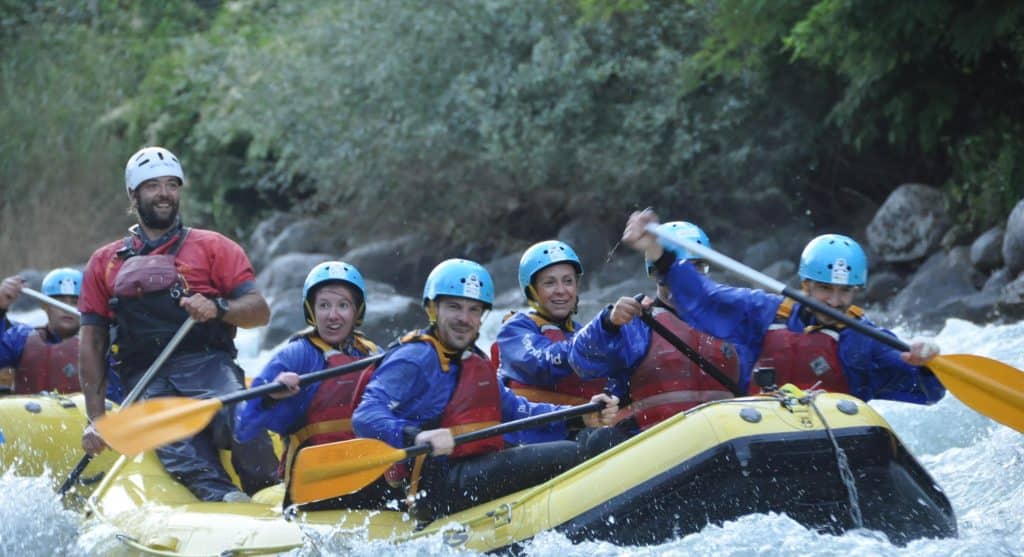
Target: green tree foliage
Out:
[494,121]
[932,79]
[66,67]
[462,116]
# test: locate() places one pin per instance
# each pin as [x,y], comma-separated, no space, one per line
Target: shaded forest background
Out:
[491,123]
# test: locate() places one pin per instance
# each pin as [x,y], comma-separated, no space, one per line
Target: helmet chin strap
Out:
[431,310]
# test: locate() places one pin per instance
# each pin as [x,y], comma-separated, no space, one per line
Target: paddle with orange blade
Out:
[159,421]
[335,469]
[990,387]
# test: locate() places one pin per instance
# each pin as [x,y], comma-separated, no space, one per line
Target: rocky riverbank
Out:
[921,272]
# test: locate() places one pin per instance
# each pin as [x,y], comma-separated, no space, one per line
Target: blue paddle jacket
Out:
[14,335]
[410,390]
[599,352]
[284,416]
[742,316]
[529,357]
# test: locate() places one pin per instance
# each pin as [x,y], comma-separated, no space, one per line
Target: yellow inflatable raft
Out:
[714,463]
[44,432]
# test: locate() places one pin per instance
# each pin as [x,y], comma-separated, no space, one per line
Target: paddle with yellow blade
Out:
[159,421]
[990,387]
[140,386]
[335,469]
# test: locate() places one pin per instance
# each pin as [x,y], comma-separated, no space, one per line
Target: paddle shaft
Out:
[702,362]
[515,425]
[133,395]
[48,300]
[770,284]
[306,379]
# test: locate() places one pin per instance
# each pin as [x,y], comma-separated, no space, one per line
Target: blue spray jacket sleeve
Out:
[738,315]
[598,352]
[529,357]
[12,341]
[515,407]
[285,415]
[409,388]
[875,370]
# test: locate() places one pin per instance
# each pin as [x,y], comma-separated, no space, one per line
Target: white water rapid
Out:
[979,464]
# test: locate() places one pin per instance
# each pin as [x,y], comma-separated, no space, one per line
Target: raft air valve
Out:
[765,378]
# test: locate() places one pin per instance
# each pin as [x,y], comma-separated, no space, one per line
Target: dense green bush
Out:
[495,121]
[464,116]
[938,80]
[66,67]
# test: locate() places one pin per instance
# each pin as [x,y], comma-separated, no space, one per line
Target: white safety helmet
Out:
[149,163]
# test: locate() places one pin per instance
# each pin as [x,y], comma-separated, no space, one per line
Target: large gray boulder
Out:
[591,240]
[1011,301]
[624,265]
[264,234]
[308,236]
[390,314]
[783,270]
[997,281]
[930,296]
[881,287]
[1013,239]
[783,244]
[287,272]
[909,225]
[286,317]
[505,273]
[402,262]
[987,250]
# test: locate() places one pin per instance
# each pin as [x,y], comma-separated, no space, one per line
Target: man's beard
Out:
[149,217]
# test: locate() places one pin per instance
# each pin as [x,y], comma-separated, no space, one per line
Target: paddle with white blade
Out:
[39,296]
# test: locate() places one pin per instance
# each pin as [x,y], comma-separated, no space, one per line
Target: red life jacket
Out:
[476,401]
[475,404]
[47,367]
[329,417]
[666,382]
[570,390]
[804,358]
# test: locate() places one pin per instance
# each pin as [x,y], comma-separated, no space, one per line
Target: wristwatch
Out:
[222,307]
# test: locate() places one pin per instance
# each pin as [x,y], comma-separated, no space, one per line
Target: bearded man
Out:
[138,291]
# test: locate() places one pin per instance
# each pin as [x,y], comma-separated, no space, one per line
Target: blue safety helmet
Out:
[333,271]
[541,255]
[685,231]
[834,259]
[63,282]
[460,278]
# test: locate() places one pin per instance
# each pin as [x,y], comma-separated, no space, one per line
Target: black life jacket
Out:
[147,292]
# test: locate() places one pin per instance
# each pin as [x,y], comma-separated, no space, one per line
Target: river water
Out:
[979,463]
